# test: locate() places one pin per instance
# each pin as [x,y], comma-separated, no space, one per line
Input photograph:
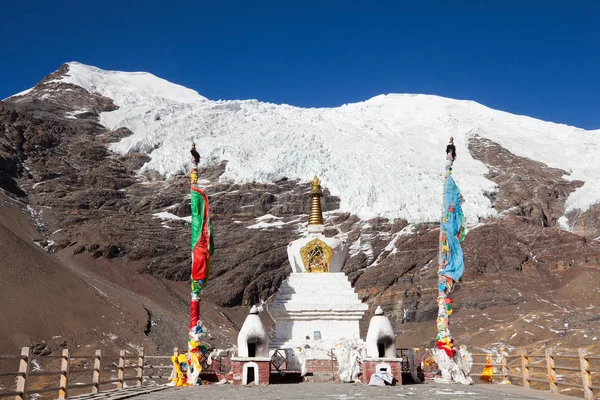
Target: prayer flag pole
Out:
[450,269]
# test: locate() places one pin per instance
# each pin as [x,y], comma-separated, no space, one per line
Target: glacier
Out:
[382,157]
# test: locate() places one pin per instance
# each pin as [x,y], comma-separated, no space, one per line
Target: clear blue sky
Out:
[539,58]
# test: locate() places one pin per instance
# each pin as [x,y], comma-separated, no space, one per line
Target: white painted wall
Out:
[309,302]
[316,231]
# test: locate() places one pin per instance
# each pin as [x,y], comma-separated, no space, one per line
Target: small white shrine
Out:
[381,350]
[316,306]
[252,364]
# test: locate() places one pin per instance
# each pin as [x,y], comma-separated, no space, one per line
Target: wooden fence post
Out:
[64,375]
[140,367]
[551,371]
[586,378]
[121,370]
[503,366]
[24,366]
[96,374]
[175,353]
[525,368]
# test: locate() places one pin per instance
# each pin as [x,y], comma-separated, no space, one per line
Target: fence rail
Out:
[103,369]
[540,369]
[532,370]
[522,367]
[65,374]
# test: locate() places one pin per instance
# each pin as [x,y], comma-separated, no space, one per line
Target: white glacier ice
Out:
[382,157]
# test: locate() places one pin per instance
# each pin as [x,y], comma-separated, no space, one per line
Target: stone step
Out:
[317,282]
[331,299]
[318,285]
[340,308]
[320,293]
[316,288]
[324,276]
[316,291]
[283,291]
[318,276]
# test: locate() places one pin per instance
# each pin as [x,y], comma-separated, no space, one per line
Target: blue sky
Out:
[538,58]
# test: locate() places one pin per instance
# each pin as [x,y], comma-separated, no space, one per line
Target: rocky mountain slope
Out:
[99,157]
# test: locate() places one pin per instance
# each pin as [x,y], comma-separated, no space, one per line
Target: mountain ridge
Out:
[264,142]
[105,212]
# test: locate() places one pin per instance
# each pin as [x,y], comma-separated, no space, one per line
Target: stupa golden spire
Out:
[316,215]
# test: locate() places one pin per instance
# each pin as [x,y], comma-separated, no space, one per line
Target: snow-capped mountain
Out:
[382,157]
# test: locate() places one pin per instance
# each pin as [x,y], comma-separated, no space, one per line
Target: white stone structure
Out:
[316,304]
[381,339]
[252,339]
[381,350]
[252,364]
[316,232]
[309,305]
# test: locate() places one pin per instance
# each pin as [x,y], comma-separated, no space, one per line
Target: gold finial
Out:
[316,215]
[316,185]
[451,140]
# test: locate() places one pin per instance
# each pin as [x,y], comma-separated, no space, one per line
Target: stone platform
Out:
[351,391]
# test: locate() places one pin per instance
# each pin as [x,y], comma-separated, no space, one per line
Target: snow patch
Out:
[263,225]
[36,365]
[363,245]
[391,248]
[167,216]
[74,114]
[563,222]
[267,221]
[267,217]
[46,245]
[98,290]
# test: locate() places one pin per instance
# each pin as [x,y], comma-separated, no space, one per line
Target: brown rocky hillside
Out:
[87,263]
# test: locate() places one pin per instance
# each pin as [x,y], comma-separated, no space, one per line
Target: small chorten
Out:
[252,339]
[252,364]
[381,339]
[381,350]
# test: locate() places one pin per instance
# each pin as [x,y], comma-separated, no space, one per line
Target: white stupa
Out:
[316,304]
[252,339]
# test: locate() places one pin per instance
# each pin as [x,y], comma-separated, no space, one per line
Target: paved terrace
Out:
[338,391]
